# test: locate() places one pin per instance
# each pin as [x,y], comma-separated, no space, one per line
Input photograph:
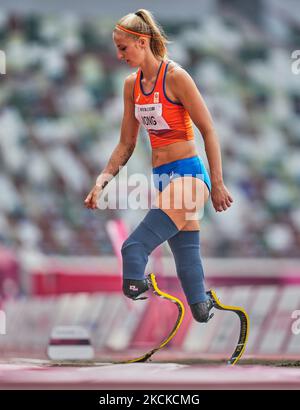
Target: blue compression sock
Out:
[185,246]
[154,229]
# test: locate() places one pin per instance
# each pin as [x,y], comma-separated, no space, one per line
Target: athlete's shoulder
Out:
[176,72]
[129,83]
[173,66]
[130,80]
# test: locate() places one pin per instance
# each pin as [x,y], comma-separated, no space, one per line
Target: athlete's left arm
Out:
[185,89]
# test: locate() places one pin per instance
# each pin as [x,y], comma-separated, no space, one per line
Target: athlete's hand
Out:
[93,196]
[220,197]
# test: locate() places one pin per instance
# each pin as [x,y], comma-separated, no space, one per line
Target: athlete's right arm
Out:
[124,149]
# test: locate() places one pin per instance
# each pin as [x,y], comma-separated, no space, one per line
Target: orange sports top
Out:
[166,121]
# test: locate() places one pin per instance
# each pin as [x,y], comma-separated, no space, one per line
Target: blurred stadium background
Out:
[60,112]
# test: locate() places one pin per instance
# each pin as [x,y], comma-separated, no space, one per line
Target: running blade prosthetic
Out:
[244,326]
[153,286]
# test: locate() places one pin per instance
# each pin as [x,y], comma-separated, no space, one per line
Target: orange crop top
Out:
[166,121]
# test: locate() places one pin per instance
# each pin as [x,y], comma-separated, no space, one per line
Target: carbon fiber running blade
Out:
[244,326]
[153,286]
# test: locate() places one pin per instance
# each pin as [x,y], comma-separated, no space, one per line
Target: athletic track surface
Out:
[21,373]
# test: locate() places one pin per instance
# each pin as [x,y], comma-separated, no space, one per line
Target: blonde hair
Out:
[143,22]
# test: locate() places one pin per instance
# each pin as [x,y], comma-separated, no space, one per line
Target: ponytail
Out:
[142,22]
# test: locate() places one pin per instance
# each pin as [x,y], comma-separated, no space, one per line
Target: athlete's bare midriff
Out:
[173,152]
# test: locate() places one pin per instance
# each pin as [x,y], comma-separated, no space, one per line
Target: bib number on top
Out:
[150,116]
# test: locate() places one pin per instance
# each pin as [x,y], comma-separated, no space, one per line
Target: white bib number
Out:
[150,116]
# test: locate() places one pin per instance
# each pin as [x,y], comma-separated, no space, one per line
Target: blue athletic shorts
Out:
[193,166]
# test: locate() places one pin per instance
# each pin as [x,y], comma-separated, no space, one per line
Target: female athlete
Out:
[163,98]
